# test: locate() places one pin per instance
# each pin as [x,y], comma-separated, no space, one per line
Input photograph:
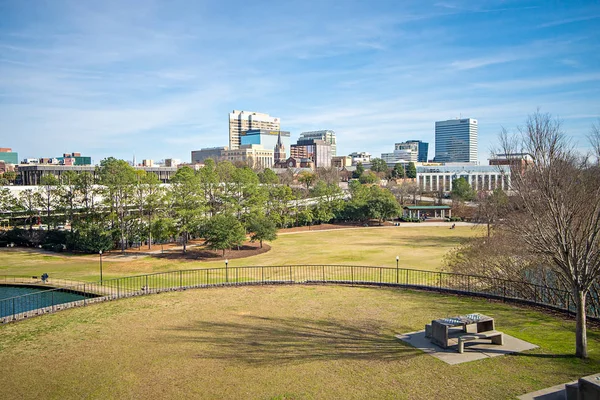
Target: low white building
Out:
[480,177]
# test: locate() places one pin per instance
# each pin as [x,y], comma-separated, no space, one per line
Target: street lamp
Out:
[397,270]
[226,271]
[100,252]
[397,259]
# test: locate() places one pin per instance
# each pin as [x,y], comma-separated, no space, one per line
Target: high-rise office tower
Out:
[328,136]
[242,121]
[456,140]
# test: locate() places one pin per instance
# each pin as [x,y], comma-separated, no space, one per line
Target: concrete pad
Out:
[587,387]
[557,392]
[474,350]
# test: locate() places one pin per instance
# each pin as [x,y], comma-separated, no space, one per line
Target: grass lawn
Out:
[419,247]
[276,342]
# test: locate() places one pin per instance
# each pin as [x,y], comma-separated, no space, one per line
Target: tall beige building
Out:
[241,121]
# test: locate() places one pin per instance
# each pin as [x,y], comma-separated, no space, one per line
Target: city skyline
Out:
[155,79]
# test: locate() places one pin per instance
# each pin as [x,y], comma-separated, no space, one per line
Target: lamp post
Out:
[397,270]
[100,252]
[226,271]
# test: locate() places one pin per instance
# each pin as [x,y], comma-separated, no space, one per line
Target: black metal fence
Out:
[49,301]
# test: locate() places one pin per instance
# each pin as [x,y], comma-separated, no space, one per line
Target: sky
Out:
[157,79]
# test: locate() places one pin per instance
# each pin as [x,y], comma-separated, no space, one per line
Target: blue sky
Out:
[158,78]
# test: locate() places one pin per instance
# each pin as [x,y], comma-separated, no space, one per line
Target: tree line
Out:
[221,203]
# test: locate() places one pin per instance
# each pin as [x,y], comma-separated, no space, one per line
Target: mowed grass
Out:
[419,247]
[276,342]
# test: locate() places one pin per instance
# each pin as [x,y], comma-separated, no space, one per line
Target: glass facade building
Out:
[423,149]
[8,156]
[456,140]
[266,138]
[328,136]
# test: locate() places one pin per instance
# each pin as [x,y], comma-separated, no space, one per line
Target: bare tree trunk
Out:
[184,240]
[122,223]
[580,326]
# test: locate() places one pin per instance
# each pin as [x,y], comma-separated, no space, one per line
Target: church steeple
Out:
[279,153]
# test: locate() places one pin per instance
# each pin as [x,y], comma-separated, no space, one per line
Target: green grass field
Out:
[419,247]
[276,342]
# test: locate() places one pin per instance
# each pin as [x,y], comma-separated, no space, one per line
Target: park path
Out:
[402,225]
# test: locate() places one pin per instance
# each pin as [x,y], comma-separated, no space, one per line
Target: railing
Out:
[48,301]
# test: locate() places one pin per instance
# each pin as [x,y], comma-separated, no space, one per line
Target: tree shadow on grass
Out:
[263,340]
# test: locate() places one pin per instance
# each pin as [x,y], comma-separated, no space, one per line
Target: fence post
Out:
[440,281]
[53,301]
[147,284]
[352,273]
[180,279]
[291,278]
[380,277]
[236,275]
[407,277]
[262,274]
[323,273]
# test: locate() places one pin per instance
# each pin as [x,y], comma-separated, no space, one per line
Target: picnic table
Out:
[440,328]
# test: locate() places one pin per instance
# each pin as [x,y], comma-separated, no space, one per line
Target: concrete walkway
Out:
[474,350]
[402,225]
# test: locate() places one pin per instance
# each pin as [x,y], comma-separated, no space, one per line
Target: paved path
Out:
[402,225]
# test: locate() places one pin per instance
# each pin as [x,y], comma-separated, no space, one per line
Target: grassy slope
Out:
[275,342]
[418,247]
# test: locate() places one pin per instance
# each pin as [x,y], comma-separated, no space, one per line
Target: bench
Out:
[428,330]
[495,336]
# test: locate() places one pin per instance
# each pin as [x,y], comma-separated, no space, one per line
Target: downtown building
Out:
[268,139]
[422,149]
[480,177]
[243,121]
[456,141]
[328,136]
[405,152]
[319,151]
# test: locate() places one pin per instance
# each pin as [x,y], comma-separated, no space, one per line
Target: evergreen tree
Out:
[262,228]
[379,165]
[188,203]
[358,171]
[411,170]
[223,232]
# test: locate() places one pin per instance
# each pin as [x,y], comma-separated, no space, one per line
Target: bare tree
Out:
[490,207]
[329,175]
[595,140]
[556,209]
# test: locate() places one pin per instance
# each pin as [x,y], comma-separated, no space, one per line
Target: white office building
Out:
[456,141]
[360,157]
[242,121]
[404,152]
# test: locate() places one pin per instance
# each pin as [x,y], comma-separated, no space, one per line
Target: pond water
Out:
[32,298]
